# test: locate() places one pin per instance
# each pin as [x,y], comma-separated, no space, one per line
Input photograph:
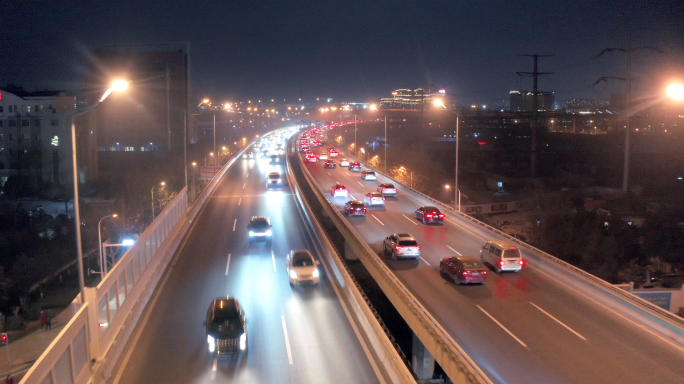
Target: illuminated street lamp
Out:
[99,241]
[118,86]
[152,192]
[186,172]
[411,174]
[675,91]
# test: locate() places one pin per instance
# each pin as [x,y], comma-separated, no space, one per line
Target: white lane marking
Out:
[457,252]
[243,185]
[360,184]
[213,366]
[239,201]
[328,173]
[228,264]
[425,261]
[559,322]
[287,341]
[352,197]
[273,258]
[502,327]
[234,224]
[348,174]
[407,218]
[247,174]
[377,219]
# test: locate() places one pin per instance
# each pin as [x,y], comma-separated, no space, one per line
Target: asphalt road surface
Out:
[295,334]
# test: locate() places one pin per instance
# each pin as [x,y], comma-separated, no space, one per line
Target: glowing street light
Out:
[152,192]
[675,91]
[116,86]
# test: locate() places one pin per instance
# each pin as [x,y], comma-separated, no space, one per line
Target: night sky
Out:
[354,50]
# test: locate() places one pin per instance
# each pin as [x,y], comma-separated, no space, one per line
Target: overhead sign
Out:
[661,299]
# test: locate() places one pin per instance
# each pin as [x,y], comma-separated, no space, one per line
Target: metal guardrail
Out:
[666,323]
[384,345]
[452,358]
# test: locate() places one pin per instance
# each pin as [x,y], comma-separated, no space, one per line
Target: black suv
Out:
[226,327]
[259,229]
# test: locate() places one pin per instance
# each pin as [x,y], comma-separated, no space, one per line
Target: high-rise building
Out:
[35,138]
[417,99]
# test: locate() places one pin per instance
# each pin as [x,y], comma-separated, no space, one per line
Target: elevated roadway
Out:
[518,327]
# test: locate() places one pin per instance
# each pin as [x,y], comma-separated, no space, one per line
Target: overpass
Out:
[550,323]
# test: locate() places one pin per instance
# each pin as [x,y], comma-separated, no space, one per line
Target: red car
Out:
[355,166]
[429,215]
[463,269]
[339,190]
[330,164]
[311,158]
[355,207]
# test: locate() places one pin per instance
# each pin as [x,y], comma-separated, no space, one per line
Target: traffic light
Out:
[3,338]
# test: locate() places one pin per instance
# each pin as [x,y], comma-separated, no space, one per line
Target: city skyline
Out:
[359,52]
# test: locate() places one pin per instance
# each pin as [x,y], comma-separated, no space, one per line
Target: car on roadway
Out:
[323,156]
[368,175]
[249,155]
[330,164]
[275,159]
[401,245]
[355,166]
[387,189]
[304,148]
[226,327]
[374,198]
[428,214]
[344,163]
[333,153]
[259,228]
[311,158]
[302,268]
[273,179]
[463,269]
[339,190]
[355,207]
[502,255]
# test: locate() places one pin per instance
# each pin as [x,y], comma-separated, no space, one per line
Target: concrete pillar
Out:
[422,361]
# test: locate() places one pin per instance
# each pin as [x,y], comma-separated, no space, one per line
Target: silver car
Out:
[302,268]
[401,245]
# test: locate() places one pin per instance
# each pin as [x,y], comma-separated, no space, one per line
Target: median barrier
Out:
[384,351]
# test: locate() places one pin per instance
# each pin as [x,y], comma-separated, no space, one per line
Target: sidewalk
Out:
[25,351]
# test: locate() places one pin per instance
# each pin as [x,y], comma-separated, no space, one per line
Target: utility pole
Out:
[627,108]
[535,113]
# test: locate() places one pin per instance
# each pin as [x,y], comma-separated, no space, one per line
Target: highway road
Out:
[297,334]
[521,327]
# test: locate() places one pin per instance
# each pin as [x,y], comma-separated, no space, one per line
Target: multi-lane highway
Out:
[295,334]
[521,327]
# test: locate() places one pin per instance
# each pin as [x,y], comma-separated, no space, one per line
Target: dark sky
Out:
[354,50]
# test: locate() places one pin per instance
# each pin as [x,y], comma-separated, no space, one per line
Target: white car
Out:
[339,190]
[387,189]
[344,163]
[368,175]
[323,156]
[302,268]
[374,198]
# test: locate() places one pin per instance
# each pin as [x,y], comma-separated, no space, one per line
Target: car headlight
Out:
[293,274]
[243,341]
[212,343]
[251,233]
[315,273]
[268,233]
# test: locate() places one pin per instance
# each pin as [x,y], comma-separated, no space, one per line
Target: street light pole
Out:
[385,144]
[457,199]
[213,169]
[99,242]
[355,152]
[186,173]
[117,86]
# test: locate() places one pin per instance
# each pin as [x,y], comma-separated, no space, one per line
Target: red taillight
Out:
[383,199]
[501,262]
[418,246]
[521,262]
[398,247]
[466,273]
[441,215]
[484,272]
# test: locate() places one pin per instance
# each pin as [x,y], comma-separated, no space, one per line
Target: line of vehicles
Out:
[499,255]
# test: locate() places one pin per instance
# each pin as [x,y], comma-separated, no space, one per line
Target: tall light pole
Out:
[213,169]
[152,193]
[355,151]
[457,198]
[186,172]
[118,85]
[385,144]
[99,241]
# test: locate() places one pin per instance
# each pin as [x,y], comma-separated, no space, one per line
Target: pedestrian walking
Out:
[48,323]
[43,319]
[9,380]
